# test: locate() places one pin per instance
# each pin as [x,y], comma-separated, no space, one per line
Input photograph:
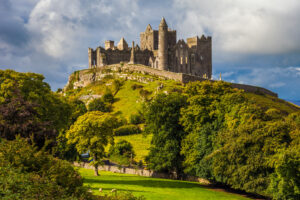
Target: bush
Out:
[99,105]
[145,93]
[122,152]
[108,97]
[121,196]
[136,86]
[136,119]
[26,173]
[127,130]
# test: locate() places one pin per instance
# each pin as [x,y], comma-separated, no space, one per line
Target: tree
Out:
[99,105]
[29,173]
[29,107]
[122,152]
[202,120]
[108,97]
[92,132]
[162,119]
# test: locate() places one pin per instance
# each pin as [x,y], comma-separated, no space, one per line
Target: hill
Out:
[137,87]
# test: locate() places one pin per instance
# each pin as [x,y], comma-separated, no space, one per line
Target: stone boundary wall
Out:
[86,77]
[140,172]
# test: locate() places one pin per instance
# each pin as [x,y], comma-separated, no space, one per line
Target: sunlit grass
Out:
[152,188]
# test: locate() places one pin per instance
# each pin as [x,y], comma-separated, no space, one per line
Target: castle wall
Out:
[117,56]
[149,40]
[204,57]
[142,57]
[171,38]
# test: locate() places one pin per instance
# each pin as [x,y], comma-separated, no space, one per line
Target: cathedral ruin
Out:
[159,49]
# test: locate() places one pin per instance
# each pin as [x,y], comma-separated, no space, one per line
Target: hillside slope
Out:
[137,88]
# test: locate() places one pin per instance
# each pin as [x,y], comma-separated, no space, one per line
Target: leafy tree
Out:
[108,97]
[162,119]
[99,105]
[122,152]
[92,132]
[202,119]
[62,149]
[136,118]
[29,107]
[26,173]
[50,107]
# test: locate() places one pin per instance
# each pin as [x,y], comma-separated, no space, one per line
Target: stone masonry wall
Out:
[85,77]
[140,172]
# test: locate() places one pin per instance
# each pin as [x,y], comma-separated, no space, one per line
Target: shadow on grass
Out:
[145,183]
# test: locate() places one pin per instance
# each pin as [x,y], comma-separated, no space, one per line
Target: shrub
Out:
[136,86]
[145,93]
[108,97]
[121,196]
[136,119]
[26,173]
[127,130]
[122,152]
[99,105]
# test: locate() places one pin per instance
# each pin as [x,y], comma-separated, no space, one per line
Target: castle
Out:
[159,49]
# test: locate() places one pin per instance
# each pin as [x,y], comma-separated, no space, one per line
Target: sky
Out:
[255,42]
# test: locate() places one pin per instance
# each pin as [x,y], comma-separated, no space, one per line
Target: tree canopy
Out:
[91,133]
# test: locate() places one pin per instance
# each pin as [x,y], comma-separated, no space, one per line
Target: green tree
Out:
[108,97]
[29,173]
[162,119]
[202,119]
[99,105]
[122,152]
[92,132]
[28,106]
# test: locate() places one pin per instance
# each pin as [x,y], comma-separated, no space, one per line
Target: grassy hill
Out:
[131,96]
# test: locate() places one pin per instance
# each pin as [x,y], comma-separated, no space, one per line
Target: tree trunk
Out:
[96,170]
[96,166]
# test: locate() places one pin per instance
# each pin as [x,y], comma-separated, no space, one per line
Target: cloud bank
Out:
[254,42]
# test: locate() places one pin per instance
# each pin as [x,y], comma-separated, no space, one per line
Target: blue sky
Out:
[255,42]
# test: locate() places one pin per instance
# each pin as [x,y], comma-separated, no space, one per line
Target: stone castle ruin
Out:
[159,49]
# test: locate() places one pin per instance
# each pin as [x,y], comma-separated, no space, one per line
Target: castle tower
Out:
[132,55]
[90,53]
[163,45]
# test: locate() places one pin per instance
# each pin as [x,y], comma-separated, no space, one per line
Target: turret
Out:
[90,53]
[163,45]
[132,55]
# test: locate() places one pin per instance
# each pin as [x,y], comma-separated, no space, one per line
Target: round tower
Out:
[163,45]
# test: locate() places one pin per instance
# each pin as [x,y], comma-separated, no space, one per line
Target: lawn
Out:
[152,188]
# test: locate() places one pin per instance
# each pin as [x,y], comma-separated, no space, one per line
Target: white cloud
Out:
[62,28]
[243,26]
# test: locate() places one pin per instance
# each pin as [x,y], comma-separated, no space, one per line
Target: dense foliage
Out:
[26,173]
[28,107]
[162,119]
[99,105]
[129,129]
[229,139]
[122,152]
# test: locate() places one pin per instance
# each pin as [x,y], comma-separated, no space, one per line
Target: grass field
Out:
[152,188]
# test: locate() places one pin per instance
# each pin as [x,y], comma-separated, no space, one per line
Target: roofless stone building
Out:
[159,49]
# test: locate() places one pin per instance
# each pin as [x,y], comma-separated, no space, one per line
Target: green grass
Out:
[152,188]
